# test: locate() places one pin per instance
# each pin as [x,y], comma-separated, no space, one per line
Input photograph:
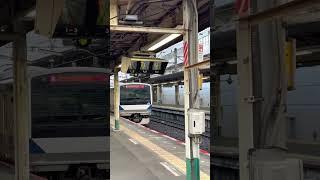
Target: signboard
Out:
[200,52]
[83,18]
[147,66]
[143,63]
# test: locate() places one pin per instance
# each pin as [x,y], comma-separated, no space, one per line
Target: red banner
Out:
[185,54]
[242,7]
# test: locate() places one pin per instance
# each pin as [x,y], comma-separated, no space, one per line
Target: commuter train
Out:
[69,122]
[135,101]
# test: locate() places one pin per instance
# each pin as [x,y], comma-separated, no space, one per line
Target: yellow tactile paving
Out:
[172,159]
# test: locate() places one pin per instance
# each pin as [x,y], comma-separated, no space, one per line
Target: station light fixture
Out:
[162,41]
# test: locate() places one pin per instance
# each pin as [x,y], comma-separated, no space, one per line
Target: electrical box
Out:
[196,122]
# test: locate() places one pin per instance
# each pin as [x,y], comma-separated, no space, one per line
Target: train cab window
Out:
[135,94]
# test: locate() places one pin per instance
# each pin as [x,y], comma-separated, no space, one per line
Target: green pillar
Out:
[193,169]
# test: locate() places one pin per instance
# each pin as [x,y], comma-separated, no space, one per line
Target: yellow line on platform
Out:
[172,159]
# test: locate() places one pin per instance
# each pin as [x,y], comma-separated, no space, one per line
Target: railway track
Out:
[170,121]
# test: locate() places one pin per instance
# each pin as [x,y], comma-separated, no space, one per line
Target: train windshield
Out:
[134,94]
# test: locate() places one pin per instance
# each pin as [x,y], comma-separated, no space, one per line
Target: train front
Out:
[70,126]
[136,102]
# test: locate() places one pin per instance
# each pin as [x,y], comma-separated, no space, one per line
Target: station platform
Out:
[138,152]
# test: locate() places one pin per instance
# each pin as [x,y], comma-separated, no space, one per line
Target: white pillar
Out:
[191,95]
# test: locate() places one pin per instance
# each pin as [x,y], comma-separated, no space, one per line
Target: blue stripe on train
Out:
[35,148]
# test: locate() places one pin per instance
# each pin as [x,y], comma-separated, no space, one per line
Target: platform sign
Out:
[200,52]
[147,66]
[83,18]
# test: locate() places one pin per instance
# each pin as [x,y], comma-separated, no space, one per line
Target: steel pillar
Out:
[191,95]
[116,98]
[215,96]
[245,110]
[159,94]
[262,87]
[269,80]
[175,56]
[21,110]
[176,94]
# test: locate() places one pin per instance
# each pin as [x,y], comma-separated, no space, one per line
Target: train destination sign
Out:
[78,78]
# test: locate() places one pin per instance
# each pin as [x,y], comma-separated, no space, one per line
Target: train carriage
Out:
[69,123]
[135,101]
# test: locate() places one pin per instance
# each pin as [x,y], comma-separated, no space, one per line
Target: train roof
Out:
[34,71]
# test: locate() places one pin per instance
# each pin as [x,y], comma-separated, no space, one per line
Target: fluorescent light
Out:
[303,52]
[164,41]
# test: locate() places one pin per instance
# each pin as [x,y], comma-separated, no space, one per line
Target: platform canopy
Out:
[166,13]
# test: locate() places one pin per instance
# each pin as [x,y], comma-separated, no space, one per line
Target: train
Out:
[69,122]
[135,102]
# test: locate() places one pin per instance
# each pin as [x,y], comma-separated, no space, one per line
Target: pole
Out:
[245,110]
[176,93]
[116,98]
[21,110]
[269,66]
[159,94]
[191,95]
[175,58]
[215,107]
[262,86]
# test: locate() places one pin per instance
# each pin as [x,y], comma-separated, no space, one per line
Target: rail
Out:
[170,121]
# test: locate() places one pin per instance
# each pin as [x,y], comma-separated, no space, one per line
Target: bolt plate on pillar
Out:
[253,99]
